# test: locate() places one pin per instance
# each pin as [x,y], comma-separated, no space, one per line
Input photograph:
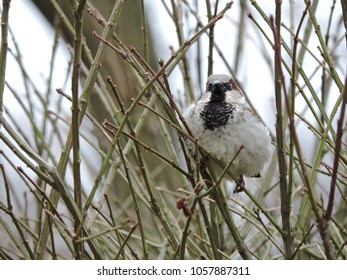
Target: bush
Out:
[111,179]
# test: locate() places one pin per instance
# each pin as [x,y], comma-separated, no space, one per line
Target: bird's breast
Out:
[216,114]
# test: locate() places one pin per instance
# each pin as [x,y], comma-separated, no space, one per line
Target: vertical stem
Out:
[145,31]
[285,208]
[3,49]
[279,116]
[75,124]
[210,37]
[339,133]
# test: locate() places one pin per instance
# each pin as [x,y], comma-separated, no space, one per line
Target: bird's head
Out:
[223,88]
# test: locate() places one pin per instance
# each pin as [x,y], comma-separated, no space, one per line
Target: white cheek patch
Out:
[234,96]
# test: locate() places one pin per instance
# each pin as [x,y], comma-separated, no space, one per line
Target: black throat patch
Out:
[216,114]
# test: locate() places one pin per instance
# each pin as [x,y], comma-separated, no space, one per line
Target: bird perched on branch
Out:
[227,128]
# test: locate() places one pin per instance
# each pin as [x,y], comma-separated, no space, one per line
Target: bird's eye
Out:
[208,87]
[228,86]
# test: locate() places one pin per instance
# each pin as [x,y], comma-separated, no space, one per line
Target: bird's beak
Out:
[217,87]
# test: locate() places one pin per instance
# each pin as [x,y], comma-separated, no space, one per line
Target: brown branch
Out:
[339,133]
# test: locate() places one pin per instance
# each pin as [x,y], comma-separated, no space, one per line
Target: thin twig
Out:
[9,211]
[133,228]
[42,192]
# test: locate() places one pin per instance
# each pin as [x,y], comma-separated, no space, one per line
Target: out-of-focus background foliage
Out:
[109,180]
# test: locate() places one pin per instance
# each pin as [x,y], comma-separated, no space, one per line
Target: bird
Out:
[226,127]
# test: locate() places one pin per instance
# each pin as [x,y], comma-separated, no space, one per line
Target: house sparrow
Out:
[223,121]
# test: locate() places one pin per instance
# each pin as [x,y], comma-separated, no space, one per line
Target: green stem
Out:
[76,160]
[280,139]
[3,50]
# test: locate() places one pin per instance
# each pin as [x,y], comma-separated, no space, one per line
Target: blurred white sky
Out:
[34,39]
